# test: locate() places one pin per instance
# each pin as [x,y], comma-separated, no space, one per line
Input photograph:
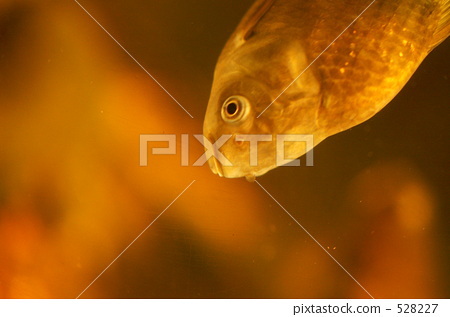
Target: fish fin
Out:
[253,16]
[443,26]
[246,27]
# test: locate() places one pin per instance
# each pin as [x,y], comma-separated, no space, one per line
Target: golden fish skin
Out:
[348,82]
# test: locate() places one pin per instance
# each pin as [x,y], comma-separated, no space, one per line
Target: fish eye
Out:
[234,108]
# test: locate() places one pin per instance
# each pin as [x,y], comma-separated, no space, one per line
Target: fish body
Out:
[314,67]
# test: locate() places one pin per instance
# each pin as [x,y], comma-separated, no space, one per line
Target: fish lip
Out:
[215,166]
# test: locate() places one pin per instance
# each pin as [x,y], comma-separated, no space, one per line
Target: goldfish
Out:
[301,67]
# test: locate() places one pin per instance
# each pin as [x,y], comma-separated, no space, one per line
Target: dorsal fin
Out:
[443,27]
[246,27]
[252,17]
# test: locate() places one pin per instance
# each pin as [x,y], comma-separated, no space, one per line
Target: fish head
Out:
[232,112]
[247,104]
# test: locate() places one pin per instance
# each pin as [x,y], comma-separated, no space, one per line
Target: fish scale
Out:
[367,66]
[289,68]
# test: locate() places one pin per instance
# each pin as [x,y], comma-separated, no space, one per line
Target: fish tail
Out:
[443,27]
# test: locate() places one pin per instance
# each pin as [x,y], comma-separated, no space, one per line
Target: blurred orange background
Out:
[73,196]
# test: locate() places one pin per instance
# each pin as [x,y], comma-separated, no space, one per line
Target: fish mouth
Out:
[215,166]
